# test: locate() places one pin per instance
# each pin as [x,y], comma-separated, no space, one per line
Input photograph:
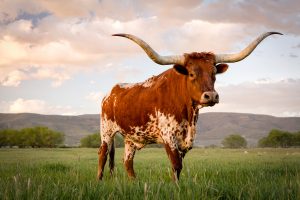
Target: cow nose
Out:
[209,98]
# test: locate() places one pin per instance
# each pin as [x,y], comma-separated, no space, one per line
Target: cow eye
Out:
[192,75]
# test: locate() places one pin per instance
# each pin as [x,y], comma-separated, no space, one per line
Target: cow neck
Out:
[180,100]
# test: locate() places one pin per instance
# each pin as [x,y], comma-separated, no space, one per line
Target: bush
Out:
[94,140]
[31,137]
[234,141]
[278,138]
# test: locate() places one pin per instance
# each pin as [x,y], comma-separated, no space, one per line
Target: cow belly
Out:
[142,135]
[163,128]
[140,139]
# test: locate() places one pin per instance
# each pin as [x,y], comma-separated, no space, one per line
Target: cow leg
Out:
[102,157]
[176,160]
[130,149]
[104,150]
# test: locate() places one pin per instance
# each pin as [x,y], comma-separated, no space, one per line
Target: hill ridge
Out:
[212,127]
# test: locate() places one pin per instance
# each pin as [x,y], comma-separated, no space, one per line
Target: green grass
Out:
[207,174]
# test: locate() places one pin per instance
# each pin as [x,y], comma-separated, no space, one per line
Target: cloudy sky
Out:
[58,57]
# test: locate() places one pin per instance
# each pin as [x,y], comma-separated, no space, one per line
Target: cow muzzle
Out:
[209,98]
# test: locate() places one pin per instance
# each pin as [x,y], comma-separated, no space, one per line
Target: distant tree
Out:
[31,137]
[93,141]
[278,138]
[10,137]
[234,141]
[297,139]
[211,146]
[7,137]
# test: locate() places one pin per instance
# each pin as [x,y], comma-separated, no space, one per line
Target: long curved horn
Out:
[230,58]
[162,60]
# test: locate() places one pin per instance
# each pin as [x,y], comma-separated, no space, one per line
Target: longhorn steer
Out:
[164,108]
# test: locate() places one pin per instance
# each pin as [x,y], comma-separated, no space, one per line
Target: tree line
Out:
[44,137]
[35,137]
[276,138]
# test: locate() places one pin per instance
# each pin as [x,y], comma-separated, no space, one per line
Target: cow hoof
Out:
[131,178]
[99,177]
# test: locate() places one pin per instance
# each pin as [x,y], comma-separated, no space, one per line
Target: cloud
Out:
[205,36]
[13,79]
[74,36]
[21,105]
[69,46]
[47,73]
[292,55]
[277,15]
[297,46]
[278,98]
[95,96]
[10,10]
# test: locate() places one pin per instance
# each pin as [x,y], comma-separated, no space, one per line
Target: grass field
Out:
[207,174]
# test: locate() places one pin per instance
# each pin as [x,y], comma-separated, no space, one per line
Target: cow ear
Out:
[181,69]
[221,68]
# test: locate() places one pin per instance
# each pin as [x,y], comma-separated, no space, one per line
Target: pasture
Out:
[207,174]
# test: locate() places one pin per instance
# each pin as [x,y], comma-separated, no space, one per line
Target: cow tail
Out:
[112,156]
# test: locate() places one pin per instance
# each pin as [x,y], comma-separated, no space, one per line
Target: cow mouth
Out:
[208,104]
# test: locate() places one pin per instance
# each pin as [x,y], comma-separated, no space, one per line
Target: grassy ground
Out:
[207,174]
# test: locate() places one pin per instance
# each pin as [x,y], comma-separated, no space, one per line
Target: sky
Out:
[58,57]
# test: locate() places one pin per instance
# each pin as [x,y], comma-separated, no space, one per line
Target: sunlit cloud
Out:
[14,78]
[95,96]
[76,35]
[21,105]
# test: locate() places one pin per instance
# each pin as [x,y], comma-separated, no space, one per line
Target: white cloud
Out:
[92,82]
[13,79]
[278,98]
[11,51]
[34,106]
[276,15]
[70,46]
[205,36]
[21,105]
[48,73]
[95,96]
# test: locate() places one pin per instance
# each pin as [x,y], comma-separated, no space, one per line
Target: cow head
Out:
[199,68]
[200,71]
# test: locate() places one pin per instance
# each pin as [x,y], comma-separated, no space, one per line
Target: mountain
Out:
[74,127]
[211,127]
